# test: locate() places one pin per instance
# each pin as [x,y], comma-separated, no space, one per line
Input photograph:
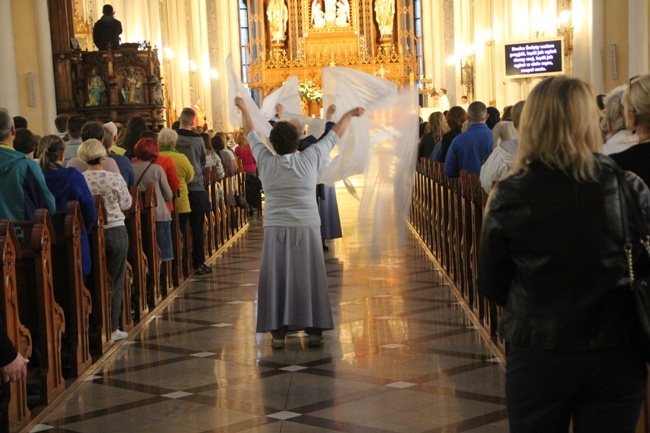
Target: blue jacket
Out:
[469,150]
[68,184]
[23,186]
[126,169]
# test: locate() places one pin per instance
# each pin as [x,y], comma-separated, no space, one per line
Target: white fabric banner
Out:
[381,144]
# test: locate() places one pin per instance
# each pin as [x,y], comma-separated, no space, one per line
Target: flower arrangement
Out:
[310,91]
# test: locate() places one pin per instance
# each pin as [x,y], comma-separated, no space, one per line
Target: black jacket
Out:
[551,252]
[107,31]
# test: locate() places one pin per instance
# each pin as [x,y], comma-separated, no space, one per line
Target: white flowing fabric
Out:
[289,96]
[381,144]
[237,88]
[390,171]
[348,89]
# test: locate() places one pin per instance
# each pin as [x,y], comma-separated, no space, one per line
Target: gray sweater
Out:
[193,146]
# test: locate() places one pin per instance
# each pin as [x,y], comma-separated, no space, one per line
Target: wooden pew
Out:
[478,304]
[209,222]
[430,197]
[41,311]
[69,286]
[450,206]
[224,220]
[465,233]
[168,271]
[14,413]
[150,244]
[178,270]
[187,251]
[241,188]
[136,257]
[100,283]
[216,210]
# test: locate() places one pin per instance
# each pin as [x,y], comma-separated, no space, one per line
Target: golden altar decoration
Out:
[322,33]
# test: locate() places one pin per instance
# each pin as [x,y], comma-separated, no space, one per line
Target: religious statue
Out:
[330,10]
[96,88]
[317,15]
[384,14]
[342,13]
[278,15]
[158,96]
[132,90]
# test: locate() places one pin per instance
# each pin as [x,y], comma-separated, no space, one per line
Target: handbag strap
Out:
[142,175]
[629,206]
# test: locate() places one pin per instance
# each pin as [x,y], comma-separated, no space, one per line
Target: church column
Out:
[46,65]
[9,95]
[223,38]
[639,14]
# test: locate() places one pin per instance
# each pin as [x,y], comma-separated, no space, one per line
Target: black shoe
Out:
[315,337]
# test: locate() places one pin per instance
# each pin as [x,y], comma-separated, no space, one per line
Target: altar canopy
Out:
[381,145]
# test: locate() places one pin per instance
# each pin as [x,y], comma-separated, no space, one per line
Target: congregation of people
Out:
[551,241]
[561,191]
[86,159]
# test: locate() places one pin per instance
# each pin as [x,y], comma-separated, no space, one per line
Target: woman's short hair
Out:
[242,140]
[559,128]
[51,147]
[25,141]
[284,138]
[167,137]
[494,117]
[92,152]
[218,142]
[146,149]
[107,141]
[614,114]
[456,117]
[149,134]
[636,100]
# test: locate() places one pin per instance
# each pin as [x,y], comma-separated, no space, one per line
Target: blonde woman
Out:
[636,106]
[117,198]
[435,129]
[551,253]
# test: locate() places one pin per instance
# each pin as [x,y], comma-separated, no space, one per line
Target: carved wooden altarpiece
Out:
[319,34]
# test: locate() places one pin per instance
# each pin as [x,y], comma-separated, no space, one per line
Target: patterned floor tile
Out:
[403,357]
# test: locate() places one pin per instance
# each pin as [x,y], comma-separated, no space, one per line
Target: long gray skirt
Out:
[293,288]
[328,209]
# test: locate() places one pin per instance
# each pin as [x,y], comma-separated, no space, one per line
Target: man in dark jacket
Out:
[107,30]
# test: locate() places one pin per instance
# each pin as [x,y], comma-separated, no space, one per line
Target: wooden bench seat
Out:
[69,286]
[41,307]
[14,413]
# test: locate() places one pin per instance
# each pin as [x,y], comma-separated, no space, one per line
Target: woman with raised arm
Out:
[293,292]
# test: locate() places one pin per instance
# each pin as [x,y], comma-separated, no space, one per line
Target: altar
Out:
[304,36]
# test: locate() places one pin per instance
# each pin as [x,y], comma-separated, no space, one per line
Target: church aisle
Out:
[404,357]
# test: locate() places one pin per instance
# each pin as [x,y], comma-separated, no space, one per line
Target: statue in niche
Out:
[342,13]
[317,15]
[330,11]
[96,89]
[132,90]
[384,14]
[278,15]
[158,96]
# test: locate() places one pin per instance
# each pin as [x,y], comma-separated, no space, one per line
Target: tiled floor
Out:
[403,357]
